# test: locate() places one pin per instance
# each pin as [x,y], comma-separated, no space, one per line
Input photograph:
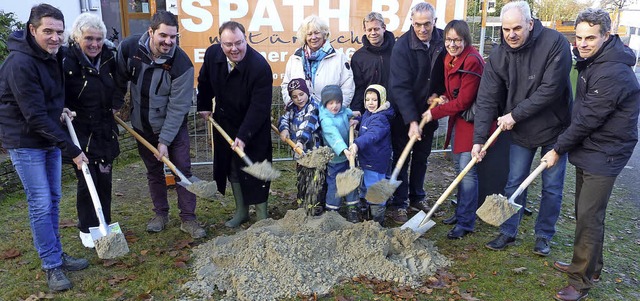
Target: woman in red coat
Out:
[463,67]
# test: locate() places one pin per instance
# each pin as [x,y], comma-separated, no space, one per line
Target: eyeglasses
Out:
[426,25]
[230,45]
[454,41]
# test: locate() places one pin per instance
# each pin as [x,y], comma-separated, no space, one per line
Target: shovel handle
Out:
[528,181]
[352,158]
[97,206]
[153,149]
[226,137]
[458,179]
[291,143]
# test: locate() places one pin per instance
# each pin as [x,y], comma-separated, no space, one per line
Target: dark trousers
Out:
[179,156]
[101,175]
[592,197]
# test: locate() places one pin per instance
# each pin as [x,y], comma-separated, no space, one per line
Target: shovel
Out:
[496,209]
[422,222]
[316,159]
[109,241]
[381,191]
[198,187]
[295,148]
[263,171]
[348,181]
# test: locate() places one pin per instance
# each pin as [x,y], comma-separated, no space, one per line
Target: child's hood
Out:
[382,93]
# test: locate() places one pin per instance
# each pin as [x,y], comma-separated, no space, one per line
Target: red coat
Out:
[467,85]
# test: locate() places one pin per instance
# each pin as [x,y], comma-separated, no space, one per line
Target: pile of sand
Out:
[298,254]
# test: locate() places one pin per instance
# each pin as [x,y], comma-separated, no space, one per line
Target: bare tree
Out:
[558,10]
[615,7]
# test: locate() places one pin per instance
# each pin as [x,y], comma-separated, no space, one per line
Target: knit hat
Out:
[331,92]
[297,84]
[380,91]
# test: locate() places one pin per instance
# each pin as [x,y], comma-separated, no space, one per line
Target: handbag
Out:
[469,114]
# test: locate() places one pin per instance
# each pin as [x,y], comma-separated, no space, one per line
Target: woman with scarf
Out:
[318,62]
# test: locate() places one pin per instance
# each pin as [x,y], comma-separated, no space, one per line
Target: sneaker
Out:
[157,223]
[57,280]
[73,264]
[86,239]
[501,242]
[542,247]
[400,216]
[353,214]
[421,206]
[193,229]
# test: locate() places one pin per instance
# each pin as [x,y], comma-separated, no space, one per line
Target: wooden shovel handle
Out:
[291,143]
[528,181]
[352,158]
[153,149]
[226,137]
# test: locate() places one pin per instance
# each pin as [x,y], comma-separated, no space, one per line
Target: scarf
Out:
[311,60]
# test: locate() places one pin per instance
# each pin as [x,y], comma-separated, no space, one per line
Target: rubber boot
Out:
[353,214]
[242,211]
[261,211]
[377,213]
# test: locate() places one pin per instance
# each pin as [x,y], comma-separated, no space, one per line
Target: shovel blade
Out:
[97,234]
[496,210]
[416,220]
[348,181]
[381,191]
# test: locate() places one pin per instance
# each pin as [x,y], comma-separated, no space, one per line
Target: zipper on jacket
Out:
[160,82]
[83,86]
[86,149]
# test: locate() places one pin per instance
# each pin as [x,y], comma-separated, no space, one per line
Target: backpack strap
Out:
[468,71]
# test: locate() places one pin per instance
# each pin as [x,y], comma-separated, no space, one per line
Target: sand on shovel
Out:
[348,181]
[112,246]
[496,210]
[381,191]
[276,259]
[317,158]
[262,170]
[204,189]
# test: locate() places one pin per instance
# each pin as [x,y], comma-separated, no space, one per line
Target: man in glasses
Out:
[525,85]
[240,80]
[417,74]
[161,77]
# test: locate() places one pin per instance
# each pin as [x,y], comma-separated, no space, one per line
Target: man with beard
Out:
[370,64]
[161,77]
[241,80]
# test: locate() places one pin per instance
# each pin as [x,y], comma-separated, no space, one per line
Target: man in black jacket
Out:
[241,80]
[526,83]
[417,73]
[370,64]
[600,140]
[31,104]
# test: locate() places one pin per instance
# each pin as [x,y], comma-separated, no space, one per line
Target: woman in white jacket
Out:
[318,62]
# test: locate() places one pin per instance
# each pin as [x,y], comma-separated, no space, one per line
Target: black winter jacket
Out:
[603,130]
[92,94]
[370,65]
[532,83]
[416,73]
[32,97]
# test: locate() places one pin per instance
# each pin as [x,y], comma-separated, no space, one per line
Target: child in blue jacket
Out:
[373,144]
[335,121]
[301,124]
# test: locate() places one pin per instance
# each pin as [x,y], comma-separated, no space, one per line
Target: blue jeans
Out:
[333,200]
[40,171]
[467,192]
[371,177]
[520,159]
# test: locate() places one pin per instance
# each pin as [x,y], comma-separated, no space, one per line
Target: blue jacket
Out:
[374,140]
[32,97]
[303,124]
[335,131]
[603,129]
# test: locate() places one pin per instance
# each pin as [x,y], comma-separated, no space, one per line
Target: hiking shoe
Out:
[87,240]
[501,242]
[193,229]
[353,214]
[73,264]
[157,223]
[542,247]
[57,280]
[400,216]
[421,206]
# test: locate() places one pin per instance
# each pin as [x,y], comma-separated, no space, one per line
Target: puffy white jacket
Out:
[334,69]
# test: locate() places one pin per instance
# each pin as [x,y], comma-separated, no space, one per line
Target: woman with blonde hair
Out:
[318,62]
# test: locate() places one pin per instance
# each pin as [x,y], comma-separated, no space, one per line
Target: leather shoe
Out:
[564,267]
[570,293]
[451,220]
[501,242]
[457,233]
[542,247]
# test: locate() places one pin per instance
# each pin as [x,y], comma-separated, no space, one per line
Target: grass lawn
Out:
[159,263]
